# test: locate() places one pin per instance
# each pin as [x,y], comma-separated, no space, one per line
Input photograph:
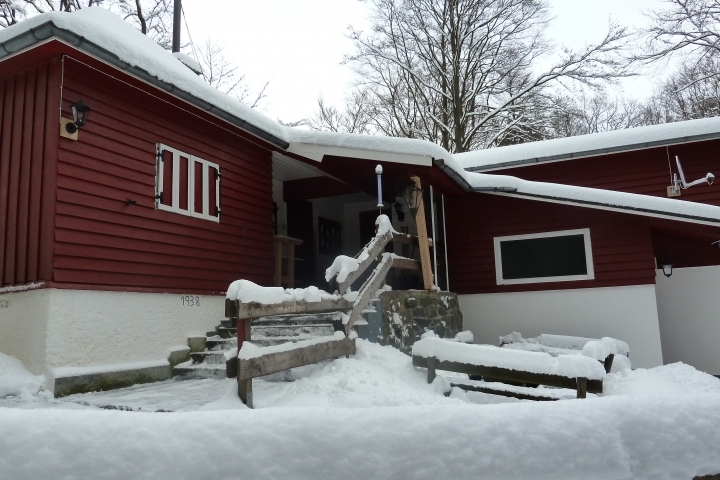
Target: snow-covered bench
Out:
[578,372]
[603,350]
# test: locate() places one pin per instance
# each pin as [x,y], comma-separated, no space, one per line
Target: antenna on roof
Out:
[677,183]
[177,19]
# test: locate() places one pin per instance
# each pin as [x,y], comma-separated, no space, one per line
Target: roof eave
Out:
[594,153]
[646,212]
[46,31]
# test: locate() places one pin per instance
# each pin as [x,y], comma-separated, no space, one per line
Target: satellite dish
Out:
[678,183]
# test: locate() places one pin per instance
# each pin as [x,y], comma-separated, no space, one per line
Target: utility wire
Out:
[192,44]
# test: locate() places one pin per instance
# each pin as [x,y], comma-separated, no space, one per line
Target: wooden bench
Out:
[504,365]
[565,345]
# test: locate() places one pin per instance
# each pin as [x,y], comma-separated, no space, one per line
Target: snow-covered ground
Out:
[370,416]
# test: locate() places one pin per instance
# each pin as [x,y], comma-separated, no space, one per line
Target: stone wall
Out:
[407,314]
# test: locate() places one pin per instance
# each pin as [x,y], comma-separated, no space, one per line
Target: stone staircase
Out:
[209,359]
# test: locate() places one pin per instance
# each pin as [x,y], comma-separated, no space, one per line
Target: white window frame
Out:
[565,278]
[175,204]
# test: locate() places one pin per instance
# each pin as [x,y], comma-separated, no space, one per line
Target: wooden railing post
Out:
[422,235]
[582,384]
[244,386]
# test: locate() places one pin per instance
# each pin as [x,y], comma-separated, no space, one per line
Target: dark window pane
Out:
[543,257]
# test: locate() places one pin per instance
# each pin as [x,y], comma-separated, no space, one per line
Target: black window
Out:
[544,257]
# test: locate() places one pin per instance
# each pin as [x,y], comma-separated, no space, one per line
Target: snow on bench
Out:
[503,389]
[564,342]
[603,350]
[566,371]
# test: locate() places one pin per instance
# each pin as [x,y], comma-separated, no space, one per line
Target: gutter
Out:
[596,152]
[440,163]
[620,208]
[513,192]
[48,30]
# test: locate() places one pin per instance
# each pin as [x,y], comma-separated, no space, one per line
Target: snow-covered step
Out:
[203,370]
[264,341]
[298,319]
[218,343]
[292,330]
[210,357]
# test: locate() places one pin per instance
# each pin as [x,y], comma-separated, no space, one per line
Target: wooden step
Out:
[210,358]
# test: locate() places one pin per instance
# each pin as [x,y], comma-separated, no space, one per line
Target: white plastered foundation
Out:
[689,311]
[627,313]
[51,328]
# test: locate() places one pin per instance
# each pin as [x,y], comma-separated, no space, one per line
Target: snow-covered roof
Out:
[594,144]
[659,207]
[107,37]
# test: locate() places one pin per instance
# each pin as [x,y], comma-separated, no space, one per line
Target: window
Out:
[187,184]
[544,257]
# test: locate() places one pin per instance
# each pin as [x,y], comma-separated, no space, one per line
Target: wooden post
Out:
[244,328]
[278,264]
[245,391]
[291,265]
[582,387]
[431,369]
[422,235]
[608,363]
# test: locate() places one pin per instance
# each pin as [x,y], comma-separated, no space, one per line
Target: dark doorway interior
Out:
[300,225]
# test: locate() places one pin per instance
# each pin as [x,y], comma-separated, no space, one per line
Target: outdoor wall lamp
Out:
[399,211]
[80,113]
[69,127]
[667,268]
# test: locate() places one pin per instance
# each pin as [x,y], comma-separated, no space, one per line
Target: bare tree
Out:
[222,74]
[691,92]
[586,113]
[690,27]
[151,17]
[354,119]
[461,72]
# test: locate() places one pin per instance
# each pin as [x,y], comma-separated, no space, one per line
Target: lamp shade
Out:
[80,113]
[667,268]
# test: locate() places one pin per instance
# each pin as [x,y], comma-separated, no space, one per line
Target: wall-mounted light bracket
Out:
[68,129]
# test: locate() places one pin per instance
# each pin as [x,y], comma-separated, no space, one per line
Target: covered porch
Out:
[331,206]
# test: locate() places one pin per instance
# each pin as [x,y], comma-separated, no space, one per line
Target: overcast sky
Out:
[298,45]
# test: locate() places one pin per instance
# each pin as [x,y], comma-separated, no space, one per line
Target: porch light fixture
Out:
[378,172]
[399,211]
[80,113]
[412,196]
[667,268]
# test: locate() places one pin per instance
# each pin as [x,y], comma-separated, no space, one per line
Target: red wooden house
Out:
[627,292]
[117,246]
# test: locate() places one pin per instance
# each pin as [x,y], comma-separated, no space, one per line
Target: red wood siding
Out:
[643,171]
[28,163]
[622,245]
[103,241]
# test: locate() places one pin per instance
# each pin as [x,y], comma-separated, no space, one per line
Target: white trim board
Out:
[590,275]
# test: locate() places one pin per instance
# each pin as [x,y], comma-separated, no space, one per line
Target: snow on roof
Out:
[112,34]
[118,37]
[583,146]
[633,203]
[100,32]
